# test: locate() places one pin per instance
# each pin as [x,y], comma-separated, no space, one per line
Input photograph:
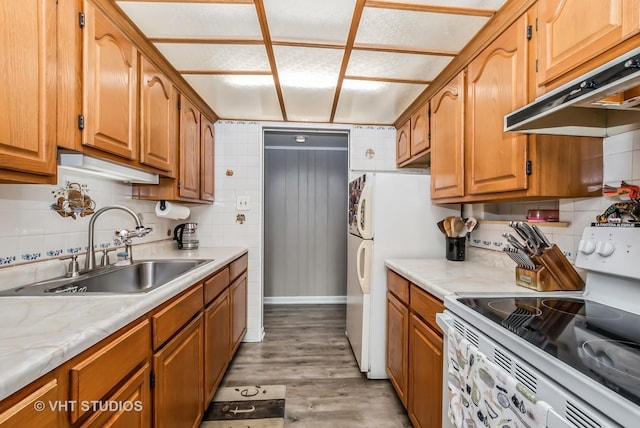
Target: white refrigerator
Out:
[390,216]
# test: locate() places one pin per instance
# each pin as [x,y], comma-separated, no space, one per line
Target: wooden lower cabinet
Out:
[23,413]
[216,343]
[415,350]
[178,368]
[425,375]
[238,303]
[398,346]
[129,407]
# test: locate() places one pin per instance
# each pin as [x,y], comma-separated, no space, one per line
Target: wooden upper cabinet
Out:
[28,91]
[420,130]
[158,119]
[497,85]
[189,150]
[572,32]
[403,140]
[109,87]
[207,133]
[447,140]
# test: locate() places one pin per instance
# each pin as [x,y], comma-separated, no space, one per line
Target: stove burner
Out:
[517,308]
[616,360]
[574,306]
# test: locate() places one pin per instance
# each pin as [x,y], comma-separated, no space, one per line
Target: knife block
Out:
[539,279]
[553,272]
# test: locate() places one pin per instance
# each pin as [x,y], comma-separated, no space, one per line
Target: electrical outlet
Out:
[243,203]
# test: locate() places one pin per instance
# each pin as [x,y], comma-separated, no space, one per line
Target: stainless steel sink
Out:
[140,277]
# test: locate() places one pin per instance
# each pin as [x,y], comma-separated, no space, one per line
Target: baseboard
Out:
[305,300]
[254,335]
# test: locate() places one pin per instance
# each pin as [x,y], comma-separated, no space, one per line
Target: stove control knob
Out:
[605,249]
[586,246]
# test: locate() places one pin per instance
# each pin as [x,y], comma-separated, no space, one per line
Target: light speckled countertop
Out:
[441,277]
[37,334]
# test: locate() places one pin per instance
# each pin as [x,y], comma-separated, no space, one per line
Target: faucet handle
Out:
[104,260]
[74,268]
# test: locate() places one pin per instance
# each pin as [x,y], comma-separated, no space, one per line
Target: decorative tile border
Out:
[7,260]
[55,253]
[31,256]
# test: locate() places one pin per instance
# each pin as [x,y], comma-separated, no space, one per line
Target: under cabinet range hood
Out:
[82,163]
[601,103]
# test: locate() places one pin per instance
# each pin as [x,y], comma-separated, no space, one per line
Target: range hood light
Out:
[301,139]
[84,164]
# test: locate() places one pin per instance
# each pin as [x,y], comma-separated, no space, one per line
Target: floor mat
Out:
[255,406]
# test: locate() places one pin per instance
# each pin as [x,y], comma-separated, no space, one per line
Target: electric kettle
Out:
[185,234]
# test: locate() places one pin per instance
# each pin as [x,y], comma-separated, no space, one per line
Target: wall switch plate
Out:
[243,203]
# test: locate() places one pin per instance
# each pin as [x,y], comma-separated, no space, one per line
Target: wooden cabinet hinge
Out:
[81,122]
[179,184]
[179,105]
[529,167]
[536,65]
[152,380]
[82,19]
[429,135]
[536,25]
[529,32]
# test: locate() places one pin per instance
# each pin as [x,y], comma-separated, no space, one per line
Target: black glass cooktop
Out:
[599,341]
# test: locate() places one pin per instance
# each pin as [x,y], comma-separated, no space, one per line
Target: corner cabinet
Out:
[28,76]
[194,180]
[413,140]
[414,350]
[165,366]
[498,165]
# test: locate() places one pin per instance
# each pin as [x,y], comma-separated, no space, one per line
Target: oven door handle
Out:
[444,321]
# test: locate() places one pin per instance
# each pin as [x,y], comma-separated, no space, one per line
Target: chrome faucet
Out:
[90,261]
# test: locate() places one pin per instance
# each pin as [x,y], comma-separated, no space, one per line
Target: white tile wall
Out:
[621,162]
[32,231]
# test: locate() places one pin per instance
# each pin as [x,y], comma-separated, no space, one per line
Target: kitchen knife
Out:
[514,241]
[528,263]
[541,236]
[532,240]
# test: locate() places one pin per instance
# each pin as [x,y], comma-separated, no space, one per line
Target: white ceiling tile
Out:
[422,30]
[238,97]
[201,20]
[473,4]
[309,21]
[374,102]
[396,65]
[308,78]
[308,104]
[214,57]
[308,67]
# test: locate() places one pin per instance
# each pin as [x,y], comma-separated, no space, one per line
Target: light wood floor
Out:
[305,348]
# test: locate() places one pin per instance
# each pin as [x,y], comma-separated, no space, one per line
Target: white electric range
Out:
[578,351]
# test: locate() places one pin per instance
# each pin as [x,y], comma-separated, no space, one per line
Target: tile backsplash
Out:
[621,162]
[32,230]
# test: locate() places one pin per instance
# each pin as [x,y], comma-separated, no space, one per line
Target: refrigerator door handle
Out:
[365,228]
[364,269]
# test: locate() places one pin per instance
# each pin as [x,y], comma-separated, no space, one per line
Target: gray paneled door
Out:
[305,222]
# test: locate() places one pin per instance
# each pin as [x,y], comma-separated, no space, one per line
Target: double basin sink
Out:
[139,277]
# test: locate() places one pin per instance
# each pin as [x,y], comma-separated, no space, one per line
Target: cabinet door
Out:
[238,293]
[447,140]
[25,412]
[189,186]
[495,161]
[420,131]
[110,87]
[216,343]
[158,119]
[28,88]
[134,410]
[178,368]
[206,160]
[398,346]
[403,140]
[425,375]
[572,32]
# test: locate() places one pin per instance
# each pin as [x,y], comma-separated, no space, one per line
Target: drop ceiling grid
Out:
[399,47]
